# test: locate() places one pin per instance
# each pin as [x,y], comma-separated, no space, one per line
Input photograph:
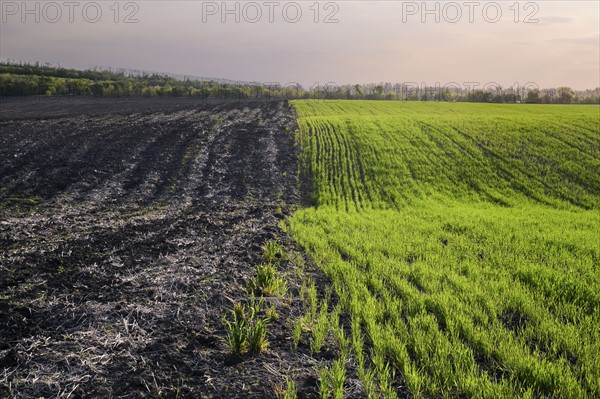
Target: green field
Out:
[462,239]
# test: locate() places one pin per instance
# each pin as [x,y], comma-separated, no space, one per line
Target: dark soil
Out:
[126,234]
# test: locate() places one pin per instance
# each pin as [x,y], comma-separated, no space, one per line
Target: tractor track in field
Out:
[125,235]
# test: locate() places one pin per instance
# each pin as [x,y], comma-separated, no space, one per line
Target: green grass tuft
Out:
[266,282]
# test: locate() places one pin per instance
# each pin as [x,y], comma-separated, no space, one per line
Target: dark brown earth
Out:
[127,231]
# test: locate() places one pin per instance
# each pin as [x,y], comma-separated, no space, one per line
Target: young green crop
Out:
[247,332]
[462,239]
[362,154]
[266,282]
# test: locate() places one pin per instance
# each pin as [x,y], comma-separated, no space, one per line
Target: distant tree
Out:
[534,97]
[565,95]
[358,90]
[97,89]
[178,91]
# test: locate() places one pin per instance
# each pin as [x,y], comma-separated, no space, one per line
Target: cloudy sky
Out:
[549,43]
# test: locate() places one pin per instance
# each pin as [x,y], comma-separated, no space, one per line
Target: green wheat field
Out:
[463,240]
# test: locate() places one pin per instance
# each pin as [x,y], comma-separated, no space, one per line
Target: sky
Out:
[548,43]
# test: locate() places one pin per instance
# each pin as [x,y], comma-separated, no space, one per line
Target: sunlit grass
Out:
[462,239]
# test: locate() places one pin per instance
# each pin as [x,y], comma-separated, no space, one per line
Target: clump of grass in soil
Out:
[272,252]
[257,336]
[266,282]
[320,330]
[332,379]
[237,330]
[247,332]
[290,391]
[297,328]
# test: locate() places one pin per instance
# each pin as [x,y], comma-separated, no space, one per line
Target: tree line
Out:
[33,79]
[454,93]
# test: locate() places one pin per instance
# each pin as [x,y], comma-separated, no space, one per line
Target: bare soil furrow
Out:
[125,235]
